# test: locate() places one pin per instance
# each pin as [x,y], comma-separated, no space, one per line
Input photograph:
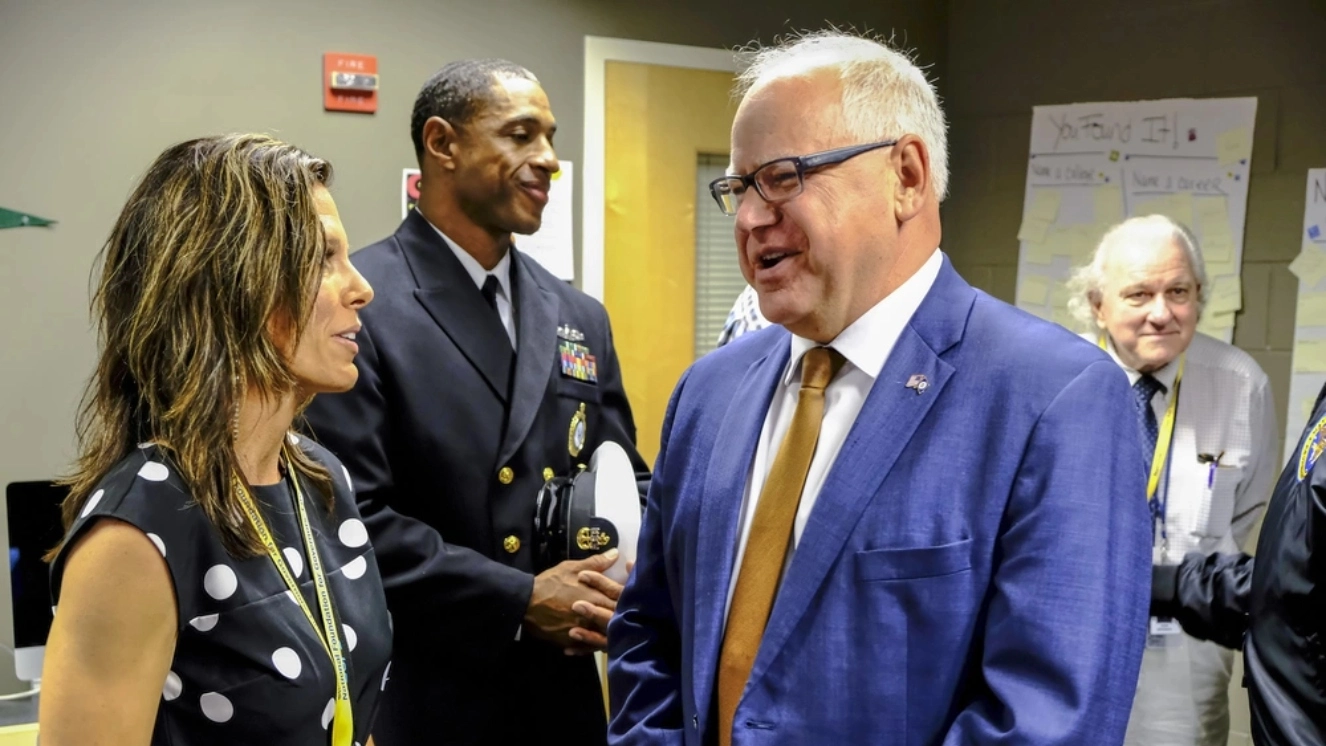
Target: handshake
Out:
[572,603]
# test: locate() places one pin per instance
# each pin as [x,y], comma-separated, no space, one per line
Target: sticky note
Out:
[1152,206]
[1209,210]
[1066,242]
[1180,208]
[1059,295]
[1038,253]
[1062,241]
[1310,264]
[1045,204]
[1056,239]
[1078,243]
[1310,356]
[1034,290]
[1176,206]
[1215,323]
[1221,269]
[1234,145]
[1033,230]
[1311,309]
[1109,204]
[1226,295]
[1218,247]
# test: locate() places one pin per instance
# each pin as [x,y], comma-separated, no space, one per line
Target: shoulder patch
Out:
[1313,445]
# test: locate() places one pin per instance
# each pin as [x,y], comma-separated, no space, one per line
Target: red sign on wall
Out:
[350,82]
[410,178]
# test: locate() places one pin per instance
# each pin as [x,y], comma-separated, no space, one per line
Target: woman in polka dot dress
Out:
[215,584]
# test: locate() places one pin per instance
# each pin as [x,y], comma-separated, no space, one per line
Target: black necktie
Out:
[490,287]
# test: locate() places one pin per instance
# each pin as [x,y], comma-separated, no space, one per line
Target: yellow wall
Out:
[657,121]
[19,735]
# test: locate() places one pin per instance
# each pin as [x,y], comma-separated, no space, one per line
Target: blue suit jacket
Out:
[976,569]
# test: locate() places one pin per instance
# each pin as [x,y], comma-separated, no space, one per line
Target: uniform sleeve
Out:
[1316,535]
[1209,595]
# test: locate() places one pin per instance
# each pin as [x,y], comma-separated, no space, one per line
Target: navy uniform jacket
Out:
[447,465]
[1271,606]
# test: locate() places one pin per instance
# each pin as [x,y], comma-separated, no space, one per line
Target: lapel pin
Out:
[918,382]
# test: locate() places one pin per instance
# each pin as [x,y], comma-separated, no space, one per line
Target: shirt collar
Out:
[475,270]
[867,342]
[1165,376]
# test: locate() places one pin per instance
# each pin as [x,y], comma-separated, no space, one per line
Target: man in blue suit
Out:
[907,513]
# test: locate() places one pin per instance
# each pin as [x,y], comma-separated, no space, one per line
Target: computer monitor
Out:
[33,509]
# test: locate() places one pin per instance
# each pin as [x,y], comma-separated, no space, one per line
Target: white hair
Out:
[885,95]
[1084,285]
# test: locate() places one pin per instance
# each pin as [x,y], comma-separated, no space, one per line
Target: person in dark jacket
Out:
[1273,606]
[481,377]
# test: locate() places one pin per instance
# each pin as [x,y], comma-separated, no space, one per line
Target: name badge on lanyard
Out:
[1161,631]
[328,631]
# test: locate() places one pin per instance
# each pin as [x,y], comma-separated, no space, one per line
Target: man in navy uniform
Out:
[481,376]
[1271,607]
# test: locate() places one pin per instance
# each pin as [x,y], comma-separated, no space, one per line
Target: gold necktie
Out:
[770,534]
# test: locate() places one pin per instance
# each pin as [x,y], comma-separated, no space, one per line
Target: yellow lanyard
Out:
[342,723]
[1166,429]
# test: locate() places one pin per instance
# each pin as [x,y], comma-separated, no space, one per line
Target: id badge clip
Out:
[1161,631]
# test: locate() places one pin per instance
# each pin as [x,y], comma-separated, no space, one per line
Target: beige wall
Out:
[92,91]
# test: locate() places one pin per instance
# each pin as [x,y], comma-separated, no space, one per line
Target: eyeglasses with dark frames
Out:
[784,178]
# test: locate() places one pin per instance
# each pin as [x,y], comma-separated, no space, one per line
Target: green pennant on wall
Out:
[15,219]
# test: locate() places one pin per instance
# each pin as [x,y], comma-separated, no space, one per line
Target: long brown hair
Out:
[221,237]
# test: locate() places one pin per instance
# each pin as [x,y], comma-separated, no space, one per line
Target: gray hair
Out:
[885,95]
[1084,285]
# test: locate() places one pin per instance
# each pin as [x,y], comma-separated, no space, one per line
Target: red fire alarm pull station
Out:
[350,82]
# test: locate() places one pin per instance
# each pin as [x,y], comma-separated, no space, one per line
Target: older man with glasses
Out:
[867,521]
[745,316]
[1205,418]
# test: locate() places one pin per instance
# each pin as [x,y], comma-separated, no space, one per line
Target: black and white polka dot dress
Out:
[248,666]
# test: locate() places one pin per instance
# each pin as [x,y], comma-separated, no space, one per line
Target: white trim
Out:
[598,51]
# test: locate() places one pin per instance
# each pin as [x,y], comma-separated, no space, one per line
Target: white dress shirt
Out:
[1224,409]
[477,273]
[866,345]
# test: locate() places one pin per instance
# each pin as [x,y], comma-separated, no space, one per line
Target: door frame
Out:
[600,50]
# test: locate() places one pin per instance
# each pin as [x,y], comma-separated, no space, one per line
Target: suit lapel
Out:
[449,295]
[536,338]
[724,486]
[883,429]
